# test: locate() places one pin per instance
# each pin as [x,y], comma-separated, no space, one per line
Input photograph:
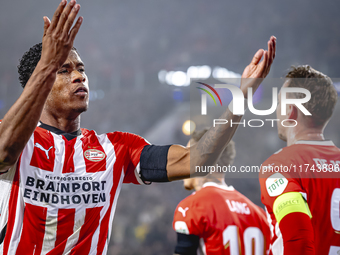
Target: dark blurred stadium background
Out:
[125,44]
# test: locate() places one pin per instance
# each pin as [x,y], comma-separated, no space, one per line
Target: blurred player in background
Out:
[217,219]
[59,184]
[303,202]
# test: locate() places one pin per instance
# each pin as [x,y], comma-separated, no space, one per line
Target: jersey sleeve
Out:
[298,234]
[277,177]
[6,184]
[187,244]
[135,145]
[189,218]
[264,226]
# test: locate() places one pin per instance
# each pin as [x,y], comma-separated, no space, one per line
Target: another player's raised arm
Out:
[20,121]
[209,147]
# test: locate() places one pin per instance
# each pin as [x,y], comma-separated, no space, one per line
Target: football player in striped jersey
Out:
[217,219]
[300,184]
[59,183]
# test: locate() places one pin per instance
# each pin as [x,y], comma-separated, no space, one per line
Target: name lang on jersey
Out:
[65,193]
[238,207]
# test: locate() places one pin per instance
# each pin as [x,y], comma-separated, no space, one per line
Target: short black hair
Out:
[29,61]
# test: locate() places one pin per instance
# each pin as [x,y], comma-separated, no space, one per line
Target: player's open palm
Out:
[58,36]
[256,71]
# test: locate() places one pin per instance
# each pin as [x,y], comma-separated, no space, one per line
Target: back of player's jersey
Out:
[323,197]
[225,220]
[314,172]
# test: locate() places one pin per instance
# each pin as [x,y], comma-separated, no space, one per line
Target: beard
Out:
[81,109]
[81,106]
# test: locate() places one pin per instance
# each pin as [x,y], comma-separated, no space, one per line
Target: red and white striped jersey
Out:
[61,195]
[225,220]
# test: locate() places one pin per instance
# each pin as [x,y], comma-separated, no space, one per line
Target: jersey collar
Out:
[221,186]
[68,136]
[322,143]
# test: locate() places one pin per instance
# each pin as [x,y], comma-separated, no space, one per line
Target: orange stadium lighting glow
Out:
[188,127]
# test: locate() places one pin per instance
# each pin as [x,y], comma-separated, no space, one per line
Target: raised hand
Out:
[20,121]
[256,71]
[58,36]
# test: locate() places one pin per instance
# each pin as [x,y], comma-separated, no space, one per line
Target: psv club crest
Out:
[94,155]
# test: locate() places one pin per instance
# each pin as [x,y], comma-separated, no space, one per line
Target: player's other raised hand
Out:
[59,34]
[257,70]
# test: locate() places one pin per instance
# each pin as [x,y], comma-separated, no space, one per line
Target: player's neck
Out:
[306,134]
[64,124]
[218,181]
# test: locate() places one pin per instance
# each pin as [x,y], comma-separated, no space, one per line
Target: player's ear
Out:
[292,112]
[188,183]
